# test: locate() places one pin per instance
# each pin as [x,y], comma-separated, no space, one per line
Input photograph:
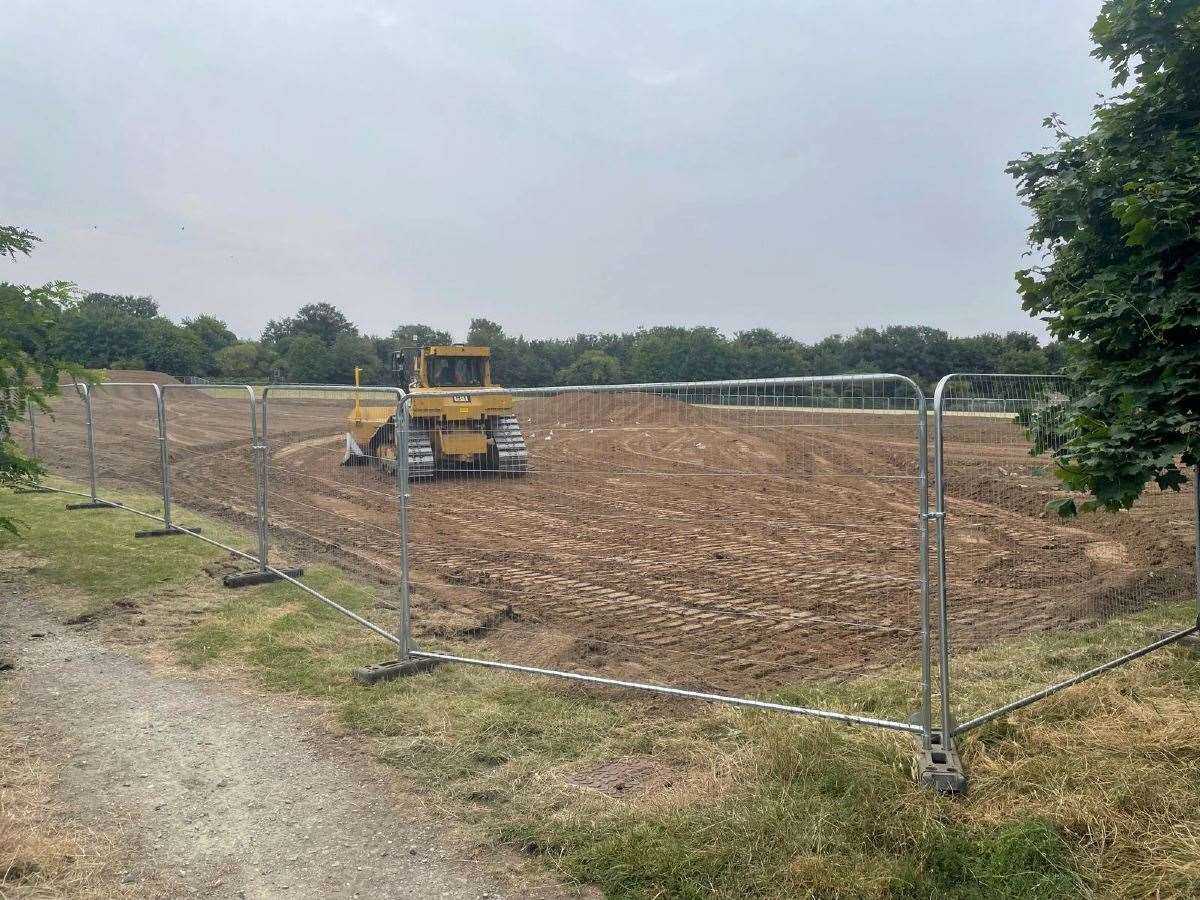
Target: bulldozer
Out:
[458,420]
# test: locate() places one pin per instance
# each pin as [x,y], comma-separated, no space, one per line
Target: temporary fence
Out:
[57,437]
[704,539]
[722,541]
[128,445]
[322,498]
[215,455]
[1077,595]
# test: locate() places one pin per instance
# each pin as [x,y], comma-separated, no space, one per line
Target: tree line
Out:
[319,344]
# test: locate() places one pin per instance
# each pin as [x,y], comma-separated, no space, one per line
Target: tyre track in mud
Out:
[724,548]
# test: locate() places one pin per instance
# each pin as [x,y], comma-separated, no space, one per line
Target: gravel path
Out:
[219,791]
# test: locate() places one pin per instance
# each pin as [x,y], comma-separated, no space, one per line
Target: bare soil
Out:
[726,548]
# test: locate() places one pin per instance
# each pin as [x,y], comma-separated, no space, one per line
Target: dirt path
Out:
[213,790]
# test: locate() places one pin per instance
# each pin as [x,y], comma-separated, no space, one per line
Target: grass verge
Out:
[1094,792]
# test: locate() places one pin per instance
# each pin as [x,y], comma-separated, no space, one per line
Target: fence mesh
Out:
[731,538]
[1073,593]
[320,502]
[211,433]
[62,436]
[126,441]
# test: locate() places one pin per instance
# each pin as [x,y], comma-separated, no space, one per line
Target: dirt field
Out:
[665,538]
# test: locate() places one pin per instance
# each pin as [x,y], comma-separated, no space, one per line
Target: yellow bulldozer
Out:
[452,424]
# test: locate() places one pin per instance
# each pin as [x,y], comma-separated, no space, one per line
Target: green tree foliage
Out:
[213,335]
[123,304]
[1117,232]
[99,336]
[485,332]
[124,332]
[321,345]
[320,320]
[309,360]
[246,361]
[350,351]
[681,354]
[168,348]
[16,241]
[761,353]
[591,367]
[29,366]
[417,336]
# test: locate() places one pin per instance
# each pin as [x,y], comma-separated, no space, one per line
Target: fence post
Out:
[94,502]
[164,460]
[33,448]
[941,767]
[164,470]
[91,440]
[259,454]
[401,442]
[923,516]
[260,477]
[943,598]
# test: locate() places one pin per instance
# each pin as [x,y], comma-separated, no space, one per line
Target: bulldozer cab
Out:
[443,366]
[449,371]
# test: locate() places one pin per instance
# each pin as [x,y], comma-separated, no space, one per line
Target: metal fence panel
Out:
[61,435]
[127,442]
[1073,594]
[725,538]
[212,439]
[317,503]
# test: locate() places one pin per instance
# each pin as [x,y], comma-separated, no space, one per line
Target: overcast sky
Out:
[558,166]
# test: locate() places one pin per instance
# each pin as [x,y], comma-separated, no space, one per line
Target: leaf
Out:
[1064,506]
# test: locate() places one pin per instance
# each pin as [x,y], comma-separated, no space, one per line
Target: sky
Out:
[806,166]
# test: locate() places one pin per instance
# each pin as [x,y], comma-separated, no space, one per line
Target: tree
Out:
[29,368]
[99,336]
[309,361]
[1117,225]
[213,335]
[169,348]
[591,367]
[761,353]
[418,336]
[350,351]
[320,320]
[245,361]
[125,304]
[485,333]
[681,354]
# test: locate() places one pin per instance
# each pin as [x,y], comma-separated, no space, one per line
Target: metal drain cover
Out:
[619,777]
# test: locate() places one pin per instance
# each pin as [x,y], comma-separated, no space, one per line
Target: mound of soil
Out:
[134,376]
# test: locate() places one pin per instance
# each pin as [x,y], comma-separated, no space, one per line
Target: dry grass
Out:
[44,850]
[1115,764]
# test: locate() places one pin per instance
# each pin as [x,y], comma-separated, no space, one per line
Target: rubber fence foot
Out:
[393,669]
[166,532]
[248,579]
